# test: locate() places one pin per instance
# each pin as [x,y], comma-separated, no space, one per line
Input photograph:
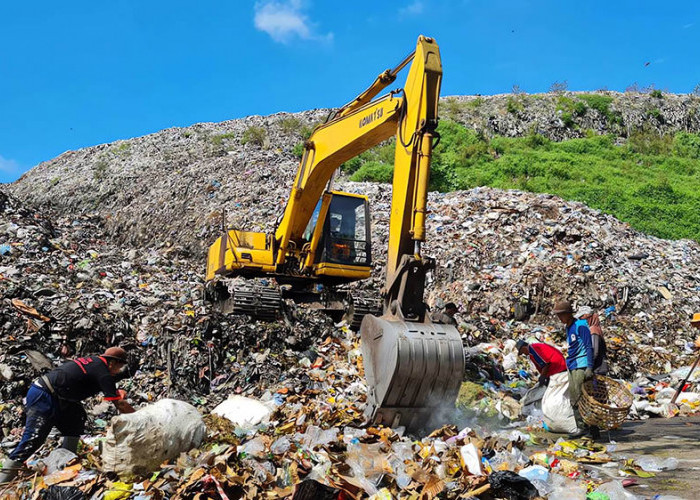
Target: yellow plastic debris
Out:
[118,491]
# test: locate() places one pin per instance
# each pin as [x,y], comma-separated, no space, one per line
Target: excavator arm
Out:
[413,366]
[332,144]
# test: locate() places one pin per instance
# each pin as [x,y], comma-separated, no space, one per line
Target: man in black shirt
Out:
[54,400]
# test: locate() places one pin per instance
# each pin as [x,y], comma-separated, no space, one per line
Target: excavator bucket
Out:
[413,370]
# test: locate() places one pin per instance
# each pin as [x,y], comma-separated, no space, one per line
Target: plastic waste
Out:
[564,488]
[281,446]
[254,448]
[650,463]
[543,488]
[535,472]
[615,491]
[56,492]
[507,484]
[242,411]
[470,459]
[57,459]
[137,443]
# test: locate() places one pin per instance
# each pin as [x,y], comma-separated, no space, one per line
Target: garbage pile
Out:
[307,431]
[505,257]
[654,394]
[67,291]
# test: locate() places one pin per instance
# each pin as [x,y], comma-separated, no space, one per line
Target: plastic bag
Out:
[137,443]
[509,485]
[556,406]
[57,459]
[242,411]
[62,493]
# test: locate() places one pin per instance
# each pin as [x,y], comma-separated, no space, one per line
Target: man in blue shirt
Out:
[579,360]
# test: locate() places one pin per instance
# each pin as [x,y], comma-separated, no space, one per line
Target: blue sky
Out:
[75,74]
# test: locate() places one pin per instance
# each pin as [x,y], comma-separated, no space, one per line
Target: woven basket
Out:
[604,402]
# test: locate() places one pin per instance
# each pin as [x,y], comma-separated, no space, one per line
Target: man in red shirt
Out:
[54,400]
[547,359]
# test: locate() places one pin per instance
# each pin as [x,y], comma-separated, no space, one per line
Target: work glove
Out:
[589,374]
[543,381]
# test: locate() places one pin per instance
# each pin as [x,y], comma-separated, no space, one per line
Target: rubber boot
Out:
[9,470]
[70,443]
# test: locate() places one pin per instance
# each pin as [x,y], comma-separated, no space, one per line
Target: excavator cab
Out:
[339,234]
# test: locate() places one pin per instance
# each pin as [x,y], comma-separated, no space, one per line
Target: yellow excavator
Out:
[413,366]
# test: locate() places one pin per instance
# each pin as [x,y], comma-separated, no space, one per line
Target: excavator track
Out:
[358,306]
[261,302]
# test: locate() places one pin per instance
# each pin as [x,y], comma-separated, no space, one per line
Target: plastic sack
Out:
[556,406]
[242,411]
[137,443]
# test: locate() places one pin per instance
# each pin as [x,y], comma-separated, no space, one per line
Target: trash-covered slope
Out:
[67,289]
[174,185]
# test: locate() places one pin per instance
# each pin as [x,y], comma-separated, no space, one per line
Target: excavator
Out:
[413,366]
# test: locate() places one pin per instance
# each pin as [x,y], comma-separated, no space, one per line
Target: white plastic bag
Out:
[137,443]
[556,406]
[242,411]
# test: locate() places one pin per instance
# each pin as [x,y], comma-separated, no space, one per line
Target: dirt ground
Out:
[675,437]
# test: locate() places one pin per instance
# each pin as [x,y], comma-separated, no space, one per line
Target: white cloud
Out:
[285,20]
[412,9]
[9,169]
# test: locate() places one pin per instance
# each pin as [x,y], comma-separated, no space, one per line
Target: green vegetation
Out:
[100,170]
[652,181]
[475,103]
[254,135]
[452,108]
[656,93]
[298,150]
[570,108]
[290,125]
[655,113]
[218,140]
[601,103]
[514,104]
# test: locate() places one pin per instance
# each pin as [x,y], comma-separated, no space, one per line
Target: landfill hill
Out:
[503,255]
[172,187]
[105,245]
[67,290]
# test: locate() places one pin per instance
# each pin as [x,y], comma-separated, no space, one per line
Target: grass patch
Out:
[601,103]
[218,140]
[290,125]
[514,105]
[254,135]
[652,181]
[100,170]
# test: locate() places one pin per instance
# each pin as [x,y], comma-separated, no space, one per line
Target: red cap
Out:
[116,353]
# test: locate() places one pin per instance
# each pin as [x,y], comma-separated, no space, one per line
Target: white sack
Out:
[556,406]
[242,411]
[137,443]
